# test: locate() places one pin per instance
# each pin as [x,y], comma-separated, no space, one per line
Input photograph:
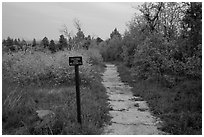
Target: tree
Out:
[79,38]
[98,40]
[151,12]
[23,45]
[4,48]
[4,42]
[66,32]
[113,49]
[9,44]
[34,43]
[115,33]
[52,46]
[86,42]
[80,35]
[45,42]
[192,27]
[77,24]
[170,19]
[16,42]
[163,17]
[62,42]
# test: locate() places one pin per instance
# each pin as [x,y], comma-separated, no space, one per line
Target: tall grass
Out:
[35,81]
[23,67]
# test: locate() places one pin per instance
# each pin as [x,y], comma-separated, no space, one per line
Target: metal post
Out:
[78,94]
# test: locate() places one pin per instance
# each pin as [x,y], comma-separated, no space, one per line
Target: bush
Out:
[112,49]
[179,107]
[95,57]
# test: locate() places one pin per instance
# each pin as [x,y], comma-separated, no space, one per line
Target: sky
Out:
[37,20]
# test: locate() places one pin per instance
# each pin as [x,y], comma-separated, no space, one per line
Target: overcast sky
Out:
[37,20]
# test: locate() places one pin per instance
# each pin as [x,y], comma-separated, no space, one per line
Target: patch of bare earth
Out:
[130,114]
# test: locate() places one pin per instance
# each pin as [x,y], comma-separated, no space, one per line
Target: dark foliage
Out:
[45,42]
[52,46]
[62,42]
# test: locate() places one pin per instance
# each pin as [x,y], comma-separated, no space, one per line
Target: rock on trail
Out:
[130,114]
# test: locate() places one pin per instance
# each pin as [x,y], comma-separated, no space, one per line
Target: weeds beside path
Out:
[179,107]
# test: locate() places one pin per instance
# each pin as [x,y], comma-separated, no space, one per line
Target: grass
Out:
[180,107]
[37,66]
[21,97]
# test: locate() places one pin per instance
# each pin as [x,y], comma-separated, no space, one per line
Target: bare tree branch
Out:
[77,24]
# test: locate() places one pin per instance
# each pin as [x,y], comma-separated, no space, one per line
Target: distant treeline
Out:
[77,42]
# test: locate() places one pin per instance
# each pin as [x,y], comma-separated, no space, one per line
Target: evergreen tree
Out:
[52,46]
[16,42]
[34,43]
[115,33]
[19,41]
[9,44]
[62,42]
[80,35]
[4,42]
[45,42]
[23,45]
[4,45]
[98,40]
[86,42]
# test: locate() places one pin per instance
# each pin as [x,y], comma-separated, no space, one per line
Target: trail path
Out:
[130,115]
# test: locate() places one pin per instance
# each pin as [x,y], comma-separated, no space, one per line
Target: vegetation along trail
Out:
[130,114]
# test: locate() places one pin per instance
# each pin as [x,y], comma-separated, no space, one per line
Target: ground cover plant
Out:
[45,81]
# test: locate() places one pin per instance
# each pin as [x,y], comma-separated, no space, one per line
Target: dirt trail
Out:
[130,115]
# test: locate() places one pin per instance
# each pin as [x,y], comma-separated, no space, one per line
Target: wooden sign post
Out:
[76,61]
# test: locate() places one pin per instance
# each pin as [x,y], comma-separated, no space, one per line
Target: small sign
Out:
[76,61]
[73,61]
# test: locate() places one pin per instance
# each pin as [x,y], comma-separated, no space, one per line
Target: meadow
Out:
[39,80]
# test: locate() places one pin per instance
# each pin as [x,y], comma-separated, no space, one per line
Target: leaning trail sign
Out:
[76,61]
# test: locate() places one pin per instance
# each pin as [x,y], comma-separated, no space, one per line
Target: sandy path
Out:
[130,115]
